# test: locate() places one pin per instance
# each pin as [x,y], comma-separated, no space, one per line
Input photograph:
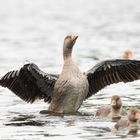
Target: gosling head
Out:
[134,114]
[116,102]
[128,54]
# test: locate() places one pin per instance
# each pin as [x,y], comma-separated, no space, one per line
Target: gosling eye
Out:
[117,99]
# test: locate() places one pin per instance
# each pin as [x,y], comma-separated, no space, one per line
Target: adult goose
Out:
[114,110]
[66,92]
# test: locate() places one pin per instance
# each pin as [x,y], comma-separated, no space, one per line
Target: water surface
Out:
[34,31]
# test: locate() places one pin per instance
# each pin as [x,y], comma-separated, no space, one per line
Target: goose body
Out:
[70,90]
[66,91]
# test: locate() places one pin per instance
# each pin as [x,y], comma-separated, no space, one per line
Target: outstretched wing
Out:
[113,71]
[30,83]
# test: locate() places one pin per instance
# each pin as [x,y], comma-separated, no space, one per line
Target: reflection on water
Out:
[23,120]
[34,31]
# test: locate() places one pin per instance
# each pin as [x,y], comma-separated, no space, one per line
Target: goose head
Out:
[69,42]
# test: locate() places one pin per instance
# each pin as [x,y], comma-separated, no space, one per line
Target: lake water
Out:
[34,30]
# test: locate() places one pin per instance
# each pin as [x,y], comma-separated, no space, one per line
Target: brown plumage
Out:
[131,121]
[114,110]
[66,91]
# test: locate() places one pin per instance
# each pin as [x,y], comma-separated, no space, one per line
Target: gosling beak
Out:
[73,38]
[113,102]
[137,116]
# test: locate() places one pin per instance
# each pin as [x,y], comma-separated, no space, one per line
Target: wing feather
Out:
[112,71]
[30,83]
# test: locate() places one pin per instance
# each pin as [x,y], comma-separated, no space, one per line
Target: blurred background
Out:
[34,30]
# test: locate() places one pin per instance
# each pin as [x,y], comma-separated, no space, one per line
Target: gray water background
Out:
[34,30]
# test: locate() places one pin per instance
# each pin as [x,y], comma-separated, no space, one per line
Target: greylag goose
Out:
[114,110]
[131,122]
[66,91]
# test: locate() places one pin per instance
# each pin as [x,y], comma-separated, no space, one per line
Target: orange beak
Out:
[113,102]
[137,116]
[73,38]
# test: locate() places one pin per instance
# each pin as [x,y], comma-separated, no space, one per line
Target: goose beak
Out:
[113,102]
[73,38]
[137,116]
